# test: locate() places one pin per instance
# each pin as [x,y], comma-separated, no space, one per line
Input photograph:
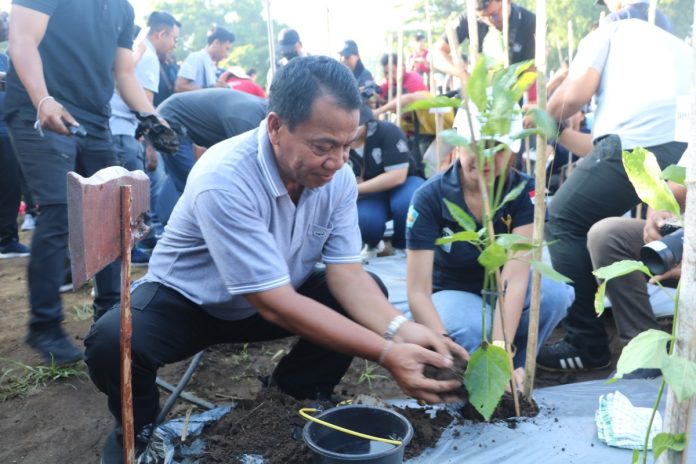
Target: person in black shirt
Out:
[203,118]
[521,34]
[66,58]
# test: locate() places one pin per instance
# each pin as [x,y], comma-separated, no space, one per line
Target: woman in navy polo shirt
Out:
[445,282]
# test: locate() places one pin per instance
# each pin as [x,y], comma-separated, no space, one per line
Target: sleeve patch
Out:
[411,216]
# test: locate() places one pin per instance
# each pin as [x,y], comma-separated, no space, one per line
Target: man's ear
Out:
[274,123]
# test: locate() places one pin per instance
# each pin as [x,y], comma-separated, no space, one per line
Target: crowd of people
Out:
[268,182]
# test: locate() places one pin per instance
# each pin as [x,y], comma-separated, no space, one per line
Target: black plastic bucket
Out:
[331,446]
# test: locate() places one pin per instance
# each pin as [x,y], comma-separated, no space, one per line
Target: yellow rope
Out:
[303,412]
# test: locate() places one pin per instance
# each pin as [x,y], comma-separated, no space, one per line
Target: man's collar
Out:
[268,163]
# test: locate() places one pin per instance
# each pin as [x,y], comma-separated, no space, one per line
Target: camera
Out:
[369,90]
[662,255]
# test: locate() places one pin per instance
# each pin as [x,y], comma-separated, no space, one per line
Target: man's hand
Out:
[654,221]
[54,117]
[406,361]
[412,332]
[518,377]
[674,273]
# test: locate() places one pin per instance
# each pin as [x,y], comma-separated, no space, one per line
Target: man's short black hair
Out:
[385,59]
[160,20]
[221,34]
[303,80]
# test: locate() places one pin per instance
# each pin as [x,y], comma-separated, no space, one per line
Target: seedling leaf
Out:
[463,236]
[452,137]
[647,350]
[664,441]
[680,375]
[441,101]
[675,173]
[645,175]
[599,298]
[621,268]
[492,257]
[544,122]
[486,377]
[477,83]
[513,194]
[465,221]
[549,272]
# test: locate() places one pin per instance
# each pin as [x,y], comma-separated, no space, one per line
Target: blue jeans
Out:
[460,313]
[375,209]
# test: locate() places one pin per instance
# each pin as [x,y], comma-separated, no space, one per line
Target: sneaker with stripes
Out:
[562,356]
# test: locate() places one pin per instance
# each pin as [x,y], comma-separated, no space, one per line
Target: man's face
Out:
[351,61]
[493,14]
[385,69]
[220,50]
[166,41]
[312,153]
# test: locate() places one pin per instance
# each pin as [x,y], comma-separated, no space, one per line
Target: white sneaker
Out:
[29,222]
[399,253]
[368,253]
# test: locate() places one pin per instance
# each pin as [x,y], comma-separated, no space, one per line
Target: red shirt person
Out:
[410,82]
[239,80]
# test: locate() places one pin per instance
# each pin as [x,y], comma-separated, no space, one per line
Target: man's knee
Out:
[102,345]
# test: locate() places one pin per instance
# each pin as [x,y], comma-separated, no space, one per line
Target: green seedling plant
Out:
[648,350]
[22,379]
[368,374]
[495,91]
[83,311]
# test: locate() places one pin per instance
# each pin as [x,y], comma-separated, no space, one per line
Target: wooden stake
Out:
[473,32]
[126,328]
[571,42]
[431,74]
[506,33]
[651,11]
[539,204]
[271,40]
[399,74]
[678,415]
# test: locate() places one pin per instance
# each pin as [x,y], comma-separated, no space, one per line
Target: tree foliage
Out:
[245,18]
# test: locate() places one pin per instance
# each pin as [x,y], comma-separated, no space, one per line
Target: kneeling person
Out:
[237,261]
[446,282]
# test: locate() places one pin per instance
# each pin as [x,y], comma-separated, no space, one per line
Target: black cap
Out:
[365,115]
[599,2]
[287,38]
[349,48]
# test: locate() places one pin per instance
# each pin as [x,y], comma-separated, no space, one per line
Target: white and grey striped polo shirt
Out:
[235,229]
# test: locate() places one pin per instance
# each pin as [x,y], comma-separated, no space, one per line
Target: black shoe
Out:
[112,451]
[562,356]
[54,346]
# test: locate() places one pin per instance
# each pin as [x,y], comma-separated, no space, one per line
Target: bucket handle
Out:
[304,413]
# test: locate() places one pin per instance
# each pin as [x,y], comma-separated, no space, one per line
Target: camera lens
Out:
[662,255]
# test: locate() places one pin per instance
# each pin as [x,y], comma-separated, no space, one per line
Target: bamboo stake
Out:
[559,49]
[328,32]
[126,328]
[651,11]
[678,415]
[571,42]
[399,74]
[271,40]
[390,66]
[506,33]
[431,74]
[539,205]
[472,19]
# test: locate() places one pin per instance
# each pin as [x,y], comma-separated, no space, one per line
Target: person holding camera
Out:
[618,238]
[65,59]
[633,110]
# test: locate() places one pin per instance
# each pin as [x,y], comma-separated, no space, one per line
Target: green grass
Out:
[83,311]
[21,379]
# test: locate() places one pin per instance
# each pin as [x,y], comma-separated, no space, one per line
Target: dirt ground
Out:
[67,420]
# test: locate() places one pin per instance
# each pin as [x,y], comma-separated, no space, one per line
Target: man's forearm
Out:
[27,62]
[185,85]
[133,94]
